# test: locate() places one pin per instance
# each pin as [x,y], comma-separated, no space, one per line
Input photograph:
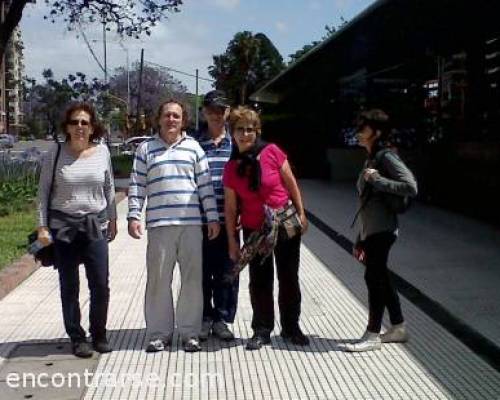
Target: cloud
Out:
[227,4]
[281,26]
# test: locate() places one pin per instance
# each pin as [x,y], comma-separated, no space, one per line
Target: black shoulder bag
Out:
[46,254]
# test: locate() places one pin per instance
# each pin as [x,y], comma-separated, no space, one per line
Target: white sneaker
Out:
[370,341]
[396,334]
[206,328]
[221,330]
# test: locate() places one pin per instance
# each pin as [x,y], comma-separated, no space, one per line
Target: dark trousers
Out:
[220,299]
[287,255]
[94,256]
[381,291]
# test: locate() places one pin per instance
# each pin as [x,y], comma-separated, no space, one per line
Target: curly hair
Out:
[97,129]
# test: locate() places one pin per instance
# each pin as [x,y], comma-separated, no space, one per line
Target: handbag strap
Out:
[53,175]
[368,192]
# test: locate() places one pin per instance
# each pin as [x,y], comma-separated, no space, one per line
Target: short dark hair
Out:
[97,128]
[216,98]
[185,115]
[378,120]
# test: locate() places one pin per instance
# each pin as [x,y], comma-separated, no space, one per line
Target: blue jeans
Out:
[94,256]
[216,263]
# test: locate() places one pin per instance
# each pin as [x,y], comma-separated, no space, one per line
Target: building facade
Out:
[11,75]
[438,79]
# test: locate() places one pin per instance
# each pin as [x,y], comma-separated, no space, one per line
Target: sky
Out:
[187,40]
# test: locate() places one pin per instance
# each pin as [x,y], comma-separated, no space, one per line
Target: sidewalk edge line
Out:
[483,347]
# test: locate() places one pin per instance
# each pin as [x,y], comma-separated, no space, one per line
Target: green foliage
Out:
[122,165]
[14,228]
[18,185]
[248,62]
[48,100]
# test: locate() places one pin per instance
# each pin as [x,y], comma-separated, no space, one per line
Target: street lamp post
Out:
[128,72]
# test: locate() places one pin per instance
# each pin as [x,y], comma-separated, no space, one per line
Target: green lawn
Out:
[14,229]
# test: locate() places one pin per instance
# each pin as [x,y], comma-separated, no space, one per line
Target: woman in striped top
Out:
[80,216]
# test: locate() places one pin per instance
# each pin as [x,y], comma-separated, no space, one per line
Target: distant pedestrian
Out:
[220,299]
[171,172]
[259,185]
[385,179]
[80,217]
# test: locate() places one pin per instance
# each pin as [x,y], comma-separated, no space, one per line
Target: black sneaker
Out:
[102,346]
[192,345]
[81,349]
[296,337]
[257,341]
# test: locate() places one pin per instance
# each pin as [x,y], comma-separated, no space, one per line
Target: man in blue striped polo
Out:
[219,298]
[171,172]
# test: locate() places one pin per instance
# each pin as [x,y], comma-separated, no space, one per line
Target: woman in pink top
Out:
[258,176]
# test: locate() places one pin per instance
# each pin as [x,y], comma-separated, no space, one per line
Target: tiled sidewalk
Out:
[433,365]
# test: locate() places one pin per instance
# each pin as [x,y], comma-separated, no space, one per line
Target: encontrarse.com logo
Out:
[91,379]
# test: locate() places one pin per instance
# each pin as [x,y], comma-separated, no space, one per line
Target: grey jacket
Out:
[394,177]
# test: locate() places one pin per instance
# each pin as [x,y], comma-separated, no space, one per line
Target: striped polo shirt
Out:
[175,181]
[218,155]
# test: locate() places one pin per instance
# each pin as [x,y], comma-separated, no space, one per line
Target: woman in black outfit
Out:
[383,184]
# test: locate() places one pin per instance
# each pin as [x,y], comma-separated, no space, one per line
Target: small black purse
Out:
[45,256]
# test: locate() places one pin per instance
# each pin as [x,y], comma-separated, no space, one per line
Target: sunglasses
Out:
[246,129]
[76,122]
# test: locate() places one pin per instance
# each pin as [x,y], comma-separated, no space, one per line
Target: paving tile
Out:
[434,365]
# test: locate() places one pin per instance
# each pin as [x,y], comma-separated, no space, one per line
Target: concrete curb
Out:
[14,274]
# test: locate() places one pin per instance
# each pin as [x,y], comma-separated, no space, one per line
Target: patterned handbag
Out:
[288,218]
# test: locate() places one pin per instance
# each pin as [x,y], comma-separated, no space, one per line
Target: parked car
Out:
[6,141]
[131,144]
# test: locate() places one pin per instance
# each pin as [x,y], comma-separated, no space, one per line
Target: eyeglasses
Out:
[240,130]
[76,122]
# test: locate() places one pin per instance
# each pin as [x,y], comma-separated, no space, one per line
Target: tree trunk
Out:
[12,19]
[243,94]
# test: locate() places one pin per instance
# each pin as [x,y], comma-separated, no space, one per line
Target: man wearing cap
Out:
[220,298]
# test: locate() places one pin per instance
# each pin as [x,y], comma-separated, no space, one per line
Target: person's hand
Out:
[44,236]
[369,174]
[304,222]
[213,229]
[112,230]
[135,228]
[358,253]
[234,250]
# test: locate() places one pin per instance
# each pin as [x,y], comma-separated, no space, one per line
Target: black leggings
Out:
[287,254]
[381,291]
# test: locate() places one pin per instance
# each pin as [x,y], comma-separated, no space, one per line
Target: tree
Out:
[330,30]
[127,17]
[248,61]
[157,86]
[47,101]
